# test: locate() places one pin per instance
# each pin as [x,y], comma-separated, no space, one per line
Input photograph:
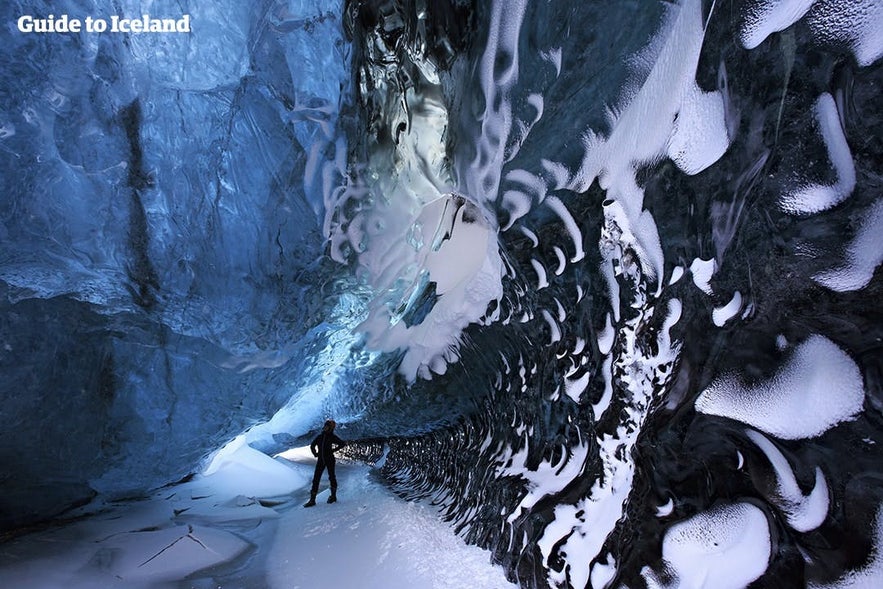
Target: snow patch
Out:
[771,16]
[818,374]
[721,315]
[857,23]
[517,204]
[371,539]
[676,274]
[699,137]
[702,271]
[542,280]
[667,115]
[239,469]
[575,388]
[726,547]
[667,509]
[534,240]
[549,477]
[603,572]
[553,327]
[817,197]
[562,260]
[578,532]
[599,408]
[606,337]
[803,512]
[570,225]
[863,254]
[169,539]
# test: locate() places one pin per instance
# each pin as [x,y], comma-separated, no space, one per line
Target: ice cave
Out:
[590,288]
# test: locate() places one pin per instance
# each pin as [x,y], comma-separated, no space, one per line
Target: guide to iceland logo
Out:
[115,24]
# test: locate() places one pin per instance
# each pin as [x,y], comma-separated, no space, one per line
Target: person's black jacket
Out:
[325,445]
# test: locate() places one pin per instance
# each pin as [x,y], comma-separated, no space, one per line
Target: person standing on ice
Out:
[323,448]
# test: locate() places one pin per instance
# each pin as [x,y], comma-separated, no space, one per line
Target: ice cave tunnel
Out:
[589,286]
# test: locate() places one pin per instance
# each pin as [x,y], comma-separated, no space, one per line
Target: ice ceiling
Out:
[599,278]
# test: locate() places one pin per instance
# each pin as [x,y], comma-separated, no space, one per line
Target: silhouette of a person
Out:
[323,448]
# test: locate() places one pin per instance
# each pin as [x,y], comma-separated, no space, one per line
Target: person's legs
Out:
[332,478]
[317,476]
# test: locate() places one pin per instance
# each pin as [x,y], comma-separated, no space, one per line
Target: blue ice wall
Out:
[160,215]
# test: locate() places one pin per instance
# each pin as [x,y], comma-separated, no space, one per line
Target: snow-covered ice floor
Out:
[243,527]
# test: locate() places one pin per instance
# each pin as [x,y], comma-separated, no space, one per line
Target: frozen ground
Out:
[243,527]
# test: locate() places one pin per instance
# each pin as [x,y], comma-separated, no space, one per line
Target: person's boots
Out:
[312,500]
[333,497]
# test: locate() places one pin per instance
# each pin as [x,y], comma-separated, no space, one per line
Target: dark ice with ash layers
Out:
[598,279]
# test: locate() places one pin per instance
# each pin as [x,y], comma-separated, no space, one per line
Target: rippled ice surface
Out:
[687,345]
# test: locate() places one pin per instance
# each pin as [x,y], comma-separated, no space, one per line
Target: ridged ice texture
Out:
[687,244]
[399,218]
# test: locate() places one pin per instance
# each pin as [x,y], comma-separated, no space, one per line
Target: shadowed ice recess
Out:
[594,283]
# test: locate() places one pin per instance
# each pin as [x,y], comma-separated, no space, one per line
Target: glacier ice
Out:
[461,229]
[156,231]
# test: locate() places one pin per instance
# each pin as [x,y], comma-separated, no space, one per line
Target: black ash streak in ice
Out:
[141,271]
